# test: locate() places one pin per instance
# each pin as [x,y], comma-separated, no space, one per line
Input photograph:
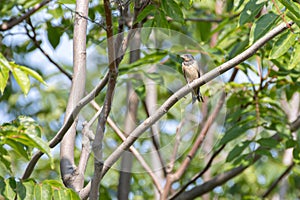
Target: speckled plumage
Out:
[191,72]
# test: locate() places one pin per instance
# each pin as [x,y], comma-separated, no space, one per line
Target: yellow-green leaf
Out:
[282,44]
[21,78]
[295,60]
[33,74]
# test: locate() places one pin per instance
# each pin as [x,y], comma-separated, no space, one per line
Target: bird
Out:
[191,72]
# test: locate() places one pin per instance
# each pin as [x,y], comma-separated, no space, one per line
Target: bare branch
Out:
[15,21]
[170,166]
[36,43]
[211,184]
[136,154]
[60,134]
[87,137]
[113,73]
[199,174]
[69,173]
[275,183]
[171,178]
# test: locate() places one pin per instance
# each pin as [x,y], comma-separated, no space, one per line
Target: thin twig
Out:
[37,44]
[155,142]
[174,177]
[199,174]
[170,166]
[99,23]
[275,183]
[15,21]
[136,154]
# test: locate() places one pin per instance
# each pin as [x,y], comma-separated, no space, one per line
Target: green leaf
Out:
[160,19]
[17,147]
[145,13]
[54,35]
[295,59]
[29,186]
[268,142]
[33,74]
[296,154]
[251,9]
[148,59]
[43,191]
[4,75]
[238,48]
[291,6]
[294,18]
[282,44]
[146,30]
[73,195]
[203,30]
[67,1]
[4,72]
[21,78]
[173,10]
[262,26]
[10,188]
[187,4]
[236,151]
[238,129]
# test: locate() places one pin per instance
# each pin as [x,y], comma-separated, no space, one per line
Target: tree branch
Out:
[15,21]
[36,43]
[211,184]
[171,178]
[136,154]
[275,183]
[69,174]
[113,73]
[62,131]
[199,174]
[187,89]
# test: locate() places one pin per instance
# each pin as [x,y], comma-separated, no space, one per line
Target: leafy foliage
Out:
[261,102]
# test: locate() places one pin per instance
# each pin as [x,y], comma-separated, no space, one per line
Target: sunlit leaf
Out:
[21,78]
[251,9]
[282,44]
[291,6]
[295,59]
[262,26]
[33,74]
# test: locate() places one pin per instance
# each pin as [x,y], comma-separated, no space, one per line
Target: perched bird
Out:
[191,72]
